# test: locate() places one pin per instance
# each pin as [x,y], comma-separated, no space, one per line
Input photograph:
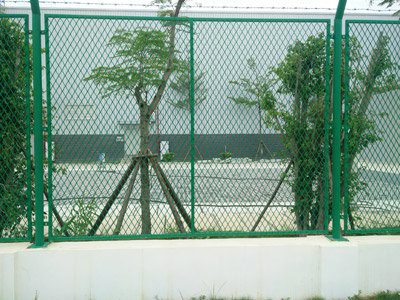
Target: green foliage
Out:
[255,88]
[302,75]
[138,63]
[82,218]
[180,84]
[225,155]
[13,164]
[389,3]
[301,121]
[167,157]
[385,295]
[140,68]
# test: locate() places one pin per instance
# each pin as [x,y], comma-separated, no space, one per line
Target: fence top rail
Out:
[14,16]
[373,22]
[188,19]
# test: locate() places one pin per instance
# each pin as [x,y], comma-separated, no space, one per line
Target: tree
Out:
[302,75]
[389,3]
[144,60]
[13,163]
[255,89]
[182,88]
[302,121]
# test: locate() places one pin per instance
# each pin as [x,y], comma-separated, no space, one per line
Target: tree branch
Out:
[138,94]
[366,95]
[168,69]
[372,74]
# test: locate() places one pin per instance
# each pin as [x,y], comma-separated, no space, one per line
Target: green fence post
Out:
[337,112]
[38,124]
[192,174]
[327,123]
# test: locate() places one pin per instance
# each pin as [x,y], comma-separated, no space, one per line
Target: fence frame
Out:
[192,22]
[336,129]
[347,230]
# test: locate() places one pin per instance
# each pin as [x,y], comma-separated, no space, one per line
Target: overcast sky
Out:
[292,3]
[331,4]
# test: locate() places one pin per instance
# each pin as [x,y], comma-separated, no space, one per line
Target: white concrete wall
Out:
[261,268]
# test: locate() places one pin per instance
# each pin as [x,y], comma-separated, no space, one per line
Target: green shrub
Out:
[169,156]
[225,155]
[81,219]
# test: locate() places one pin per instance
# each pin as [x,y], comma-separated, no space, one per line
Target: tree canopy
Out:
[13,163]
[294,100]
[141,66]
[389,3]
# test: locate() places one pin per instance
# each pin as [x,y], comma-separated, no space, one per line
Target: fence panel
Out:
[15,123]
[108,138]
[246,154]
[261,127]
[371,168]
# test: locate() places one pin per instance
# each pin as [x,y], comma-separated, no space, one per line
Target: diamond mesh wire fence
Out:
[372,171]
[266,112]
[15,118]
[187,126]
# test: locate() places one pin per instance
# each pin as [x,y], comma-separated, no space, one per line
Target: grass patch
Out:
[387,295]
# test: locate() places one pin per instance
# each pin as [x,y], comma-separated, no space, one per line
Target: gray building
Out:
[85,124]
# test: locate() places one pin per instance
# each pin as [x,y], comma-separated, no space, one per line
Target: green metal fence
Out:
[199,127]
[15,119]
[371,162]
[236,144]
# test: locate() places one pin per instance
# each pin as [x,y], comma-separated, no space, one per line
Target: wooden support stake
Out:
[190,148]
[126,201]
[46,194]
[261,144]
[167,193]
[175,197]
[55,212]
[114,195]
[273,195]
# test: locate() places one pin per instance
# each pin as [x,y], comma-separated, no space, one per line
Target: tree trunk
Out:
[320,214]
[144,171]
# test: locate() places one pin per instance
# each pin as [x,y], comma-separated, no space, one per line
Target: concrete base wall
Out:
[261,268]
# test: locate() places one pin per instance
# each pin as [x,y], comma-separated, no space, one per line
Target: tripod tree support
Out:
[126,200]
[169,191]
[260,147]
[273,195]
[114,195]
[175,204]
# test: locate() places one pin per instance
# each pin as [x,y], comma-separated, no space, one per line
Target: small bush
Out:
[169,156]
[81,219]
[225,155]
[385,295]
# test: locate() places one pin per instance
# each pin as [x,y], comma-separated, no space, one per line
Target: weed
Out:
[82,218]
[167,157]
[386,295]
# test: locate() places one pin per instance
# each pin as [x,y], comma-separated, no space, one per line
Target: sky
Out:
[320,4]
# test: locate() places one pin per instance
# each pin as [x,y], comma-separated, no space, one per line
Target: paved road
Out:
[214,183]
[229,196]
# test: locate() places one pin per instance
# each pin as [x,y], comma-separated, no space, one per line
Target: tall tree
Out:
[255,89]
[301,121]
[144,60]
[13,164]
